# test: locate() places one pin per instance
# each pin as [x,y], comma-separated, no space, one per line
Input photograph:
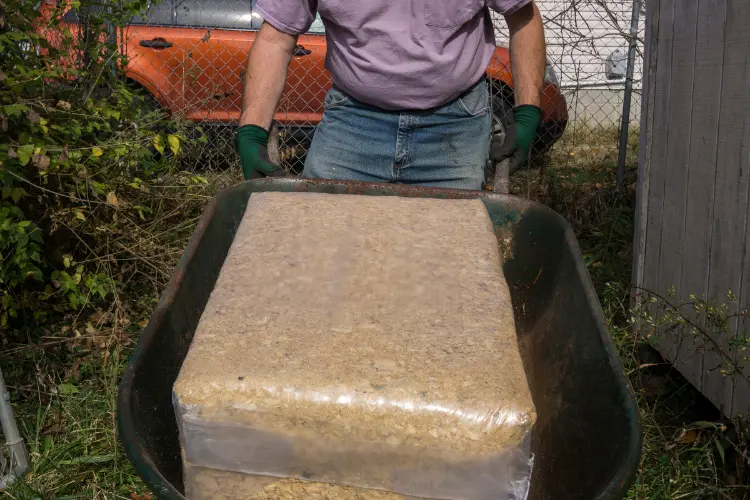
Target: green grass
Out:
[688,452]
[65,388]
[64,379]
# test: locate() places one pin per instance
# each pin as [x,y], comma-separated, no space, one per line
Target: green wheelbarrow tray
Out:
[587,438]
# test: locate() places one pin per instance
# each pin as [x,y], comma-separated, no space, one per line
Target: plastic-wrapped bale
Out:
[215,484]
[361,341]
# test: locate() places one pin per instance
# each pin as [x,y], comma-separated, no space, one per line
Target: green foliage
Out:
[79,148]
[67,420]
[698,324]
[20,246]
[689,451]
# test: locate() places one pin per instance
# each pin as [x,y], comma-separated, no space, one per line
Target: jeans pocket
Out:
[449,14]
[476,101]
[335,98]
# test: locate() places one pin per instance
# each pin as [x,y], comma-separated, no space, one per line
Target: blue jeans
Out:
[441,147]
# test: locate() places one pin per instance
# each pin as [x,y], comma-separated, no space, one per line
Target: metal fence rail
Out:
[191,55]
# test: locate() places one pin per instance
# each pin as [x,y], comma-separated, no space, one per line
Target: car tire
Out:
[502,113]
[502,118]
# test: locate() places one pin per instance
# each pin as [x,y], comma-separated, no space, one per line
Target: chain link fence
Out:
[587,49]
[191,56]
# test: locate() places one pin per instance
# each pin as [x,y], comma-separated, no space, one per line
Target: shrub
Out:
[81,154]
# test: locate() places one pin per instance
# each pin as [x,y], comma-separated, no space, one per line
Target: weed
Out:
[687,448]
[65,395]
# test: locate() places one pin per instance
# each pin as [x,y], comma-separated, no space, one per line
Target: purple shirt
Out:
[398,54]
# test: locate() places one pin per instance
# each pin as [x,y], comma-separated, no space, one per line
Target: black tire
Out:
[502,118]
[502,112]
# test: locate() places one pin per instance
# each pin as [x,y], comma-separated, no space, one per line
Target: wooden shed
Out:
[694,175]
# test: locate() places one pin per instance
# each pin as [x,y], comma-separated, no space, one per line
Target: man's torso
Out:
[404,54]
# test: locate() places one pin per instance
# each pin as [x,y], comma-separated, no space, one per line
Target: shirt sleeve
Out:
[290,16]
[507,6]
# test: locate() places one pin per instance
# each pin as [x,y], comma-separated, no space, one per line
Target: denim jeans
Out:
[441,147]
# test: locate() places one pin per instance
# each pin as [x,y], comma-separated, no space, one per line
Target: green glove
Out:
[518,138]
[251,141]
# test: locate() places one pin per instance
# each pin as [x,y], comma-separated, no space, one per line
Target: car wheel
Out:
[502,118]
[502,114]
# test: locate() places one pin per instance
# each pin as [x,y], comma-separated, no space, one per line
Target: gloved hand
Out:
[251,141]
[518,138]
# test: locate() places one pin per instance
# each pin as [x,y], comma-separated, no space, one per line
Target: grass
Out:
[688,451]
[65,394]
[64,378]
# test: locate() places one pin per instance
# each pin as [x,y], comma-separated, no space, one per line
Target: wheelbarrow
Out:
[587,438]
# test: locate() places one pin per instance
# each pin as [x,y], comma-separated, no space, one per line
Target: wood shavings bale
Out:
[360,340]
[210,484]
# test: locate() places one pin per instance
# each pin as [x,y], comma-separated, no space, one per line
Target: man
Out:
[409,101]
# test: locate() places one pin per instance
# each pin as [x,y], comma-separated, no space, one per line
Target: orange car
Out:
[191,56]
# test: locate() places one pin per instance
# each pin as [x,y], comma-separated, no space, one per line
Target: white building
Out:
[581,36]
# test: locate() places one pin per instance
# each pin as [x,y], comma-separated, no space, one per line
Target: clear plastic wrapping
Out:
[362,341]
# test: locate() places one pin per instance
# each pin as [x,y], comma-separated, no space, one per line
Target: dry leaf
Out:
[33,117]
[2,76]
[3,123]
[54,427]
[76,372]
[64,105]
[133,496]
[99,317]
[63,156]
[12,153]
[41,161]
[688,436]
[112,199]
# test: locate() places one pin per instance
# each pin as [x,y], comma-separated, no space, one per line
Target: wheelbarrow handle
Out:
[502,176]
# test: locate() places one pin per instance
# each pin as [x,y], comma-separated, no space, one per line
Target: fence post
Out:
[628,92]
